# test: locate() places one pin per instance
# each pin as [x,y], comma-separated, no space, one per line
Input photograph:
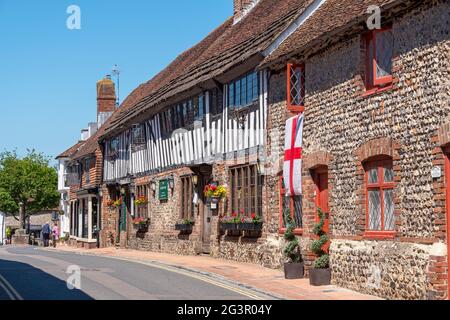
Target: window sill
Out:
[297,232]
[379,235]
[377,90]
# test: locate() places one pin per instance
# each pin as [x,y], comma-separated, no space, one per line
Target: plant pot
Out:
[320,277]
[250,226]
[294,270]
[183,227]
[142,227]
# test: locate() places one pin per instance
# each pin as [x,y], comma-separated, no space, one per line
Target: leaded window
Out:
[295,87]
[139,137]
[246,190]
[380,195]
[291,206]
[243,91]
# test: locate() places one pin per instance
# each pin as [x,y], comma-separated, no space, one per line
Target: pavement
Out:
[260,280]
[29,273]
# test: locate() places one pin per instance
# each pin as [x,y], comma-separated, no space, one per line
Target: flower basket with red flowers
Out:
[141,223]
[215,192]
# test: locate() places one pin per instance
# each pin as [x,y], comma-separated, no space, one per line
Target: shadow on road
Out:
[34,284]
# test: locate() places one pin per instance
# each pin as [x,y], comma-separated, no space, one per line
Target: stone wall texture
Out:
[340,119]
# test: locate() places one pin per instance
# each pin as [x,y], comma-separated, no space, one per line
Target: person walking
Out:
[46,234]
[55,234]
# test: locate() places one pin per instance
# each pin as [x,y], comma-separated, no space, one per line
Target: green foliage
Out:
[323,261]
[292,250]
[29,180]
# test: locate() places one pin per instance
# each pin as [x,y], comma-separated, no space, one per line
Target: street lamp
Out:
[194,180]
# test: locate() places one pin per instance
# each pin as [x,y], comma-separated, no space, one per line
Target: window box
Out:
[228,226]
[249,226]
[184,227]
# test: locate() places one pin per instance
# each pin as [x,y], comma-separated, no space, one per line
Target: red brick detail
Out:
[375,148]
[437,278]
[316,159]
[443,135]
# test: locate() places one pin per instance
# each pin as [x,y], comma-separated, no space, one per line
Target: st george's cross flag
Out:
[292,168]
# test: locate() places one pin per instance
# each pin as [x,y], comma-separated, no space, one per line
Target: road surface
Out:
[28,273]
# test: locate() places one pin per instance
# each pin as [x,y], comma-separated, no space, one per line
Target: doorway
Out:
[320,175]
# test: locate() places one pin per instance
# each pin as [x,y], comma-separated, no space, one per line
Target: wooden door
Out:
[205,214]
[322,202]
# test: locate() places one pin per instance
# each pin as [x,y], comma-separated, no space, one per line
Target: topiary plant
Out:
[323,260]
[292,250]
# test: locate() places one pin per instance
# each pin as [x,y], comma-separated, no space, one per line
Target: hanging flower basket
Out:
[213,191]
[141,201]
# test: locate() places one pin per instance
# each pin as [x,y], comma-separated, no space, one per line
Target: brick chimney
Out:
[242,7]
[106,100]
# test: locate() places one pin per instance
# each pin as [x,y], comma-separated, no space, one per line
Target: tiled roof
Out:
[71,151]
[89,147]
[330,22]
[225,48]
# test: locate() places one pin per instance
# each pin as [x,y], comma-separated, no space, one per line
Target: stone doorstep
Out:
[274,285]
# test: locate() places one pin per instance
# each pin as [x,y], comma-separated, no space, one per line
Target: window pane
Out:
[374,210]
[238,93]
[389,210]
[388,173]
[255,86]
[249,88]
[385,47]
[373,175]
[296,86]
[298,211]
[286,210]
[231,95]
[370,63]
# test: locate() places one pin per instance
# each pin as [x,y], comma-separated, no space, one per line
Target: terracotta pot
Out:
[320,277]
[294,270]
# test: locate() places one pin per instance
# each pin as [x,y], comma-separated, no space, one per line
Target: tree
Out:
[29,181]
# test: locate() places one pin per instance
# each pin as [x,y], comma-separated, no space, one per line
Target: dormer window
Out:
[244,91]
[379,52]
[295,87]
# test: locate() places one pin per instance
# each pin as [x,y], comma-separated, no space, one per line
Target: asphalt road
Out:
[28,273]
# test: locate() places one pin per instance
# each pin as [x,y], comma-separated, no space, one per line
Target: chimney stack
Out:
[106,100]
[242,7]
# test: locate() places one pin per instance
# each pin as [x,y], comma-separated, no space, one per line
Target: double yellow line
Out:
[198,277]
[9,289]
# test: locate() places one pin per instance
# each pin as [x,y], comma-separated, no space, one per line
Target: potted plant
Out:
[141,223]
[293,267]
[320,274]
[185,225]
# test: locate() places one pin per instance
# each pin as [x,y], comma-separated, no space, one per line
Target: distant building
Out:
[2,228]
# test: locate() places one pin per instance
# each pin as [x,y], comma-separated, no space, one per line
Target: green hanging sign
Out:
[164,190]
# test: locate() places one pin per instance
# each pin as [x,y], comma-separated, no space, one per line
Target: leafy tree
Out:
[29,180]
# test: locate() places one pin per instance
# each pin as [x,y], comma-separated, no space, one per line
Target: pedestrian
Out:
[8,235]
[46,234]
[55,234]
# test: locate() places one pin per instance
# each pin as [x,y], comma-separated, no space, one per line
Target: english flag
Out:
[292,169]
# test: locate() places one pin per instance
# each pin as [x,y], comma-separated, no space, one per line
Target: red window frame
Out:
[292,107]
[374,82]
[381,185]
[282,229]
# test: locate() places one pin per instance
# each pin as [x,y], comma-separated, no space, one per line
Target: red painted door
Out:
[322,202]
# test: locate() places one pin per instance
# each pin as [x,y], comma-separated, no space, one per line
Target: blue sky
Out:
[48,73]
